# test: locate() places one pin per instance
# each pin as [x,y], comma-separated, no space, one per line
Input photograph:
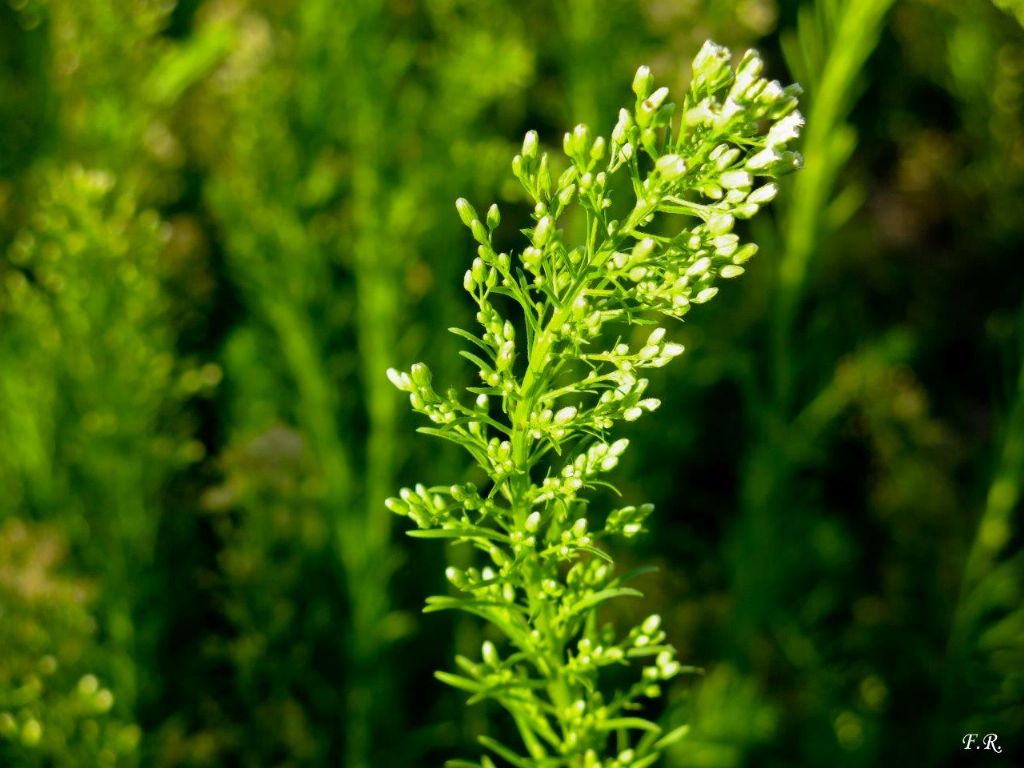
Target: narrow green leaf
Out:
[629,723]
[596,598]
[672,736]
[469,532]
[472,339]
[457,681]
[501,750]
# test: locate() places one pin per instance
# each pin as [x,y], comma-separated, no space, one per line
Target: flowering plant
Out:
[552,387]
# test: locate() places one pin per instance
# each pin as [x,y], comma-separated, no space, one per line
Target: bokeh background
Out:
[221,220]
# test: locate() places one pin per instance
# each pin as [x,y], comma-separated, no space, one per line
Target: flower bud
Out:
[542,232]
[764,194]
[671,167]
[730,271]
[745,253]
[651,624]
[489,653]
[420,375]
[530,144]
[643,81]
[643,249]
[711,66]
[787,129]
[621,130]
[493,217]
[735,179]
[565,415]
[706,295]
[466,211]
[720,223]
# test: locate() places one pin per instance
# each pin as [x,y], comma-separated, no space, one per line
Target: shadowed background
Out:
[222,220]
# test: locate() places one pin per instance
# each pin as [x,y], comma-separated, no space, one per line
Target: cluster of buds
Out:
[484,582]
[422,397]
[655,353]
[588,575]
[422,506]
[553,424]
[591,655]
[628,521]
[622,398]
[571,540]
[600,457]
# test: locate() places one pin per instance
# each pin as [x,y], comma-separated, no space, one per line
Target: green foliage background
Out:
[222,220]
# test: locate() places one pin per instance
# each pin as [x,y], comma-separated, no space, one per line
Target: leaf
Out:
[450,435]
[444,603]
[597,552]
[472,339]
[630,723]
[510,685]
[468,532]
[500,749]
[672,736]
[595,598]
[476,361]
[458,681]
[630,575]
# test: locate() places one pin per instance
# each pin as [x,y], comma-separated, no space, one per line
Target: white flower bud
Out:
[533,522]
[673,350]
[787,129]
[530,144]
[671,167]
[706,295]
[618,447]
[542,232]
[632,414]
[656,99]
[720,223]
[420,375]
[643,81]
[400,380]
[565,415]
[493,216]
[621,129]
[699,267]
[651,624]
[745,253]
[735,179]
[489,652]
[730,271]
[643,249]
[764,194]
[466,211]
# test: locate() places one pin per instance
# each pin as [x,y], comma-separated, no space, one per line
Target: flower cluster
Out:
[660,198]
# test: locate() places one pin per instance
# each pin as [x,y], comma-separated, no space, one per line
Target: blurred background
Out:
[221,220]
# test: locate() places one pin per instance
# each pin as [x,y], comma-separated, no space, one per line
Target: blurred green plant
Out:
[53,709]
[564,396]
[325,209]
[90,385]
